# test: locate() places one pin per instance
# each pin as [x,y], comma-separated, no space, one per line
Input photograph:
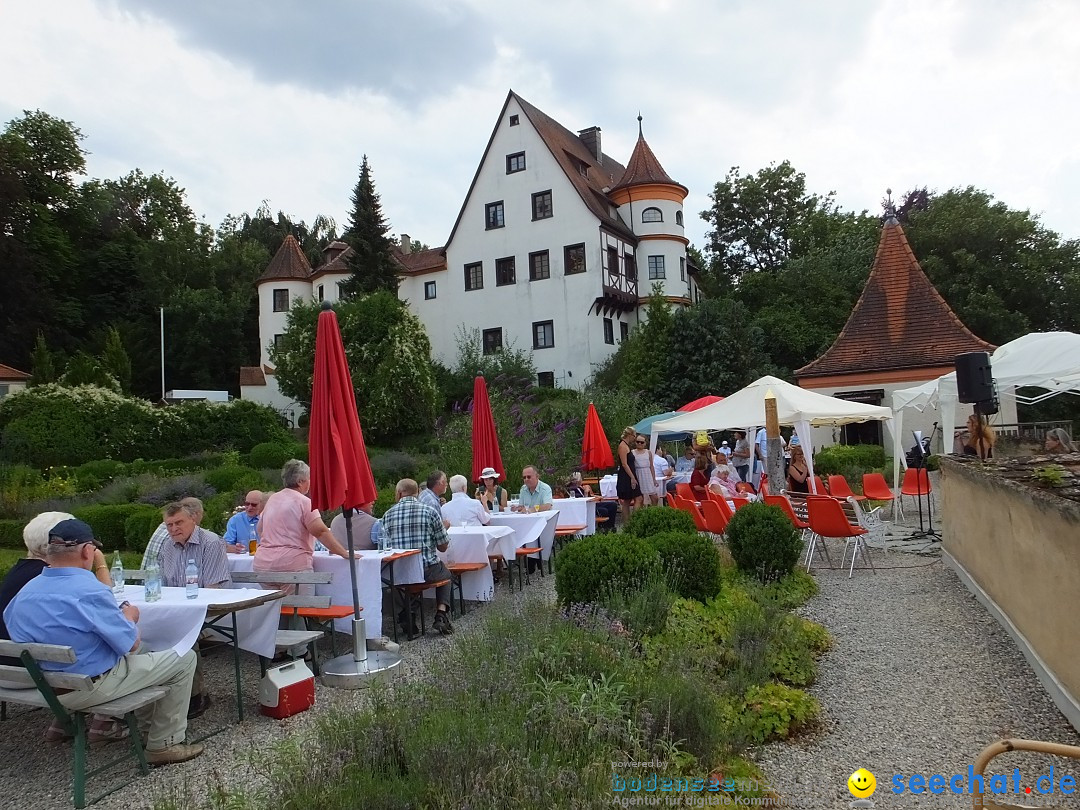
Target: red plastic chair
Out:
[781,502]
[827,519]
[715,520]
[821,488]
[875,488]
[691,508]
[722,505]
[916,483]
[838,488]
[684,491]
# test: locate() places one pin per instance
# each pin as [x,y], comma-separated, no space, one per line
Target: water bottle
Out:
[118,576]
[153,581]
[191,578]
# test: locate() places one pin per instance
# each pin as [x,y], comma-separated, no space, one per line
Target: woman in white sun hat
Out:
[489,492]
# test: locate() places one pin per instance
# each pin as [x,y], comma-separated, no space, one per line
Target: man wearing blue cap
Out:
[66,605]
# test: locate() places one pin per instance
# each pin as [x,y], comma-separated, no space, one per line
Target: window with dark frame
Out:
[539,266]
[281,300]
[505,272]
[629,266]
[682,268]
[493,215]
[656,268]
[513,120]
[652,215]
[609,331]
[429,290]
[678,218]
[279,342]
[493,340]
[544,335]
[545,379]
[574,259]
[541,205]
[474,276]
[624,330]
[321,293]
[613,260]
[515,162]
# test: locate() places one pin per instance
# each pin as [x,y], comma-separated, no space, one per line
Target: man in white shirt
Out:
[461,507]
[761,452]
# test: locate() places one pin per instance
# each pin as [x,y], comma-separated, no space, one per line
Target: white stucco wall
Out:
[273,323]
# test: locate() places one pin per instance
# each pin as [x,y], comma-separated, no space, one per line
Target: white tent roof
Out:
[746,408]
[1047,360]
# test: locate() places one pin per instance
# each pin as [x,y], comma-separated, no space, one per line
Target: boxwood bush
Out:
[588,568]
[109,522]
[763,542]
[233,478]
[140,526]
[656,519]
[692,559]
[270,454]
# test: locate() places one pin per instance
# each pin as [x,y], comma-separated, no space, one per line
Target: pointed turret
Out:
[288,263]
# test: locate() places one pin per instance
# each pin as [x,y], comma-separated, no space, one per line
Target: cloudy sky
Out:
[243,101]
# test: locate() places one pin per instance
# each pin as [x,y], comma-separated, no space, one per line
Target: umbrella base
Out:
[345,672]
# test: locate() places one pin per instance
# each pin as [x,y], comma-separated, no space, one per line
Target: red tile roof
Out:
[252,375]
[644,168]
[899,322]
[338,264]
[288,263]
[421,261]
[12,374]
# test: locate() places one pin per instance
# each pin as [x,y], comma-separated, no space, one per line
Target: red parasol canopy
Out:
[700,402]
[595,448]
[340,472]
[485,441]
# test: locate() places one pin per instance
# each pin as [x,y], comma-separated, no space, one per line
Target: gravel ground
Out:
[40,774]
[920,680]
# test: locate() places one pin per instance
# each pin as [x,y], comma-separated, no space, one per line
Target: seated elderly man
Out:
[66,605]
[189,541]
[161,534]
[535,495]
[241,528]
[363,522]
[463,510]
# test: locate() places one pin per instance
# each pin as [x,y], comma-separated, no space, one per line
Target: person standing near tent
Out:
[740,456]
[761,455]
[626,483]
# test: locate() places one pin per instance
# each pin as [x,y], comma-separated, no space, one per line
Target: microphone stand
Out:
[928,533]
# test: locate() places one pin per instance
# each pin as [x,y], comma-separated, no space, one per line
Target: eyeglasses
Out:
[639,442]
[249,503]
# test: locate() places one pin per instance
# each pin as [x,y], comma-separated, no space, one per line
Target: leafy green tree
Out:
[42,368]
[1000,269]
[648,347]
[389,357]
[115,360]
[371,264]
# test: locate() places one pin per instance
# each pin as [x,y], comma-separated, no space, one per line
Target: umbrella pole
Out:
[359,625]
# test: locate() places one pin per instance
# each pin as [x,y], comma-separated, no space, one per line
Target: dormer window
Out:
[583,170]
[652,215]
[513,120]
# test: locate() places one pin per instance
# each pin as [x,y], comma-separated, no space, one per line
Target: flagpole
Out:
[162,354]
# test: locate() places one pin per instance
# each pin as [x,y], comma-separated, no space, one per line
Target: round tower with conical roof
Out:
[286,279]
[651,203]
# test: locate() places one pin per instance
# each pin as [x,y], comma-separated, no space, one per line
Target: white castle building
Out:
[556,249]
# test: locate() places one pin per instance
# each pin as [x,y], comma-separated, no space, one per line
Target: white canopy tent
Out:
[1049,361]
[795,406]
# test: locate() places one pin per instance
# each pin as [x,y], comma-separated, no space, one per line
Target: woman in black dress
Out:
[626,483]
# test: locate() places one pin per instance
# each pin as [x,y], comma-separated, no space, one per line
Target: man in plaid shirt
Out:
[410,524]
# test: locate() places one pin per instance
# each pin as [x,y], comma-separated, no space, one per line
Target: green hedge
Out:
[140,526]
[656,519]
[11,534]
[763,542]
[592,566]
[232,478]
[693,561]
[270,455]
[840,459]
[109,522]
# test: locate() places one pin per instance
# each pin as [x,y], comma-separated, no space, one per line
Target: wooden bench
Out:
[456,570]
[292,605]
[32,686]
[416,589]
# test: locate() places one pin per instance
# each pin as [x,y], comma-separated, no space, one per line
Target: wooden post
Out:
[774,461]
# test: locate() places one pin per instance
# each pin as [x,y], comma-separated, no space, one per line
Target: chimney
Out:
[406,243]
[591,138]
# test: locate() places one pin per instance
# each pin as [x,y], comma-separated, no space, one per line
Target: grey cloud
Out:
[406,48]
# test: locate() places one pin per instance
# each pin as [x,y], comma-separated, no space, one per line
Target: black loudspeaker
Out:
[974,382]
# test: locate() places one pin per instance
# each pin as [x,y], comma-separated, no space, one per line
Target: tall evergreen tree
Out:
[115,360]
[371,264]
[42,368]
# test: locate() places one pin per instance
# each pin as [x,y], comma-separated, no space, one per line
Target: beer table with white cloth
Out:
[576,512]
[530,527]
[369,585]
[474,544]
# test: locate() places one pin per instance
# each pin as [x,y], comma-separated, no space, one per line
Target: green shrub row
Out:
[110,524]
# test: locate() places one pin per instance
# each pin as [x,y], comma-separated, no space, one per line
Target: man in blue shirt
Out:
[535,495]
[240,530]
[432,493]
[66,605]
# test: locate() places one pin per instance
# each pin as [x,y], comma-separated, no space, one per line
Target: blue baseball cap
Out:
[72,533]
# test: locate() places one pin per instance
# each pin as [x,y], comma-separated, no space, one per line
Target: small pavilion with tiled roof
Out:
[12,380]
[900,333]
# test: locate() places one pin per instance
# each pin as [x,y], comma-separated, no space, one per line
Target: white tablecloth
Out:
[531,527]
[175,622]
[368,582]
[608,486]
[473,544]
[576,512]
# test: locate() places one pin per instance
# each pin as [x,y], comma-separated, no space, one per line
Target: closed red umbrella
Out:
[700,402]
[485,441]
[595,448]
[340,472]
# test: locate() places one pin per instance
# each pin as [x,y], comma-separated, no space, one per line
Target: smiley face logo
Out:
[862,784]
